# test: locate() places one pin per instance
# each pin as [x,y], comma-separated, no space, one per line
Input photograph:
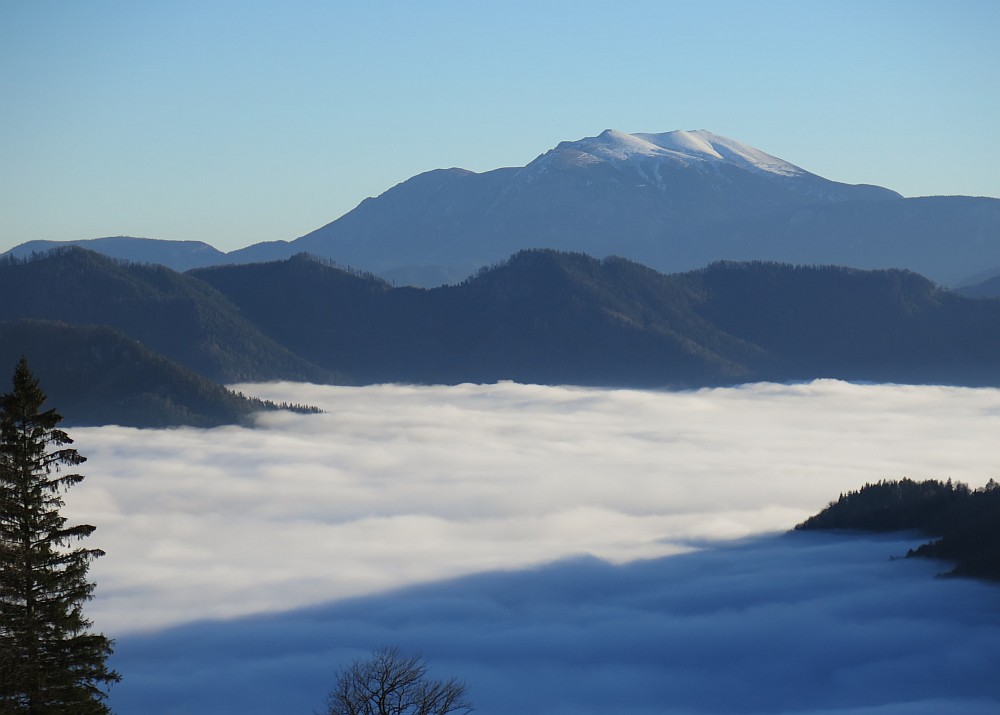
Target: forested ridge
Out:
[171,313]
[964,523]
[542,316]
[552,317]
[100,376]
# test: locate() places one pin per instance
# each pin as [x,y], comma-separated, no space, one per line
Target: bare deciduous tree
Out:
[391,683]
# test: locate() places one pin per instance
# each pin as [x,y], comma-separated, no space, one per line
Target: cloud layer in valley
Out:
[800,624]
[396,486]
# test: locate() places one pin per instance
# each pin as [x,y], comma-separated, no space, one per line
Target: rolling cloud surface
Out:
[248,532]
[802,624]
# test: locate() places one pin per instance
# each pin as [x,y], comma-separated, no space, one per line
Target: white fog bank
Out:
[399,485]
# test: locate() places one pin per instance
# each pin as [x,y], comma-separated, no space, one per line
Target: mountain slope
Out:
[673,201]
[316,310]
[96,376]
[667,200]
[170,313]
[884,326]
[540,317]
[986,288]
[945,238]
[551,317]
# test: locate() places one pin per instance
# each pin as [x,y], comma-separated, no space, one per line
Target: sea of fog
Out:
[563,550]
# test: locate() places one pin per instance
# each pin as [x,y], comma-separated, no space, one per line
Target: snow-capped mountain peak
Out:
[691,148]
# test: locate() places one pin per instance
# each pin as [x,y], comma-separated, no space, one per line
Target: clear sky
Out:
[238,121]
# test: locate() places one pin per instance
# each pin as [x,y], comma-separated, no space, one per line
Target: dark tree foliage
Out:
[50,663]
[554,318]
[170,313]
[99,376]
[964,523]
[391,683]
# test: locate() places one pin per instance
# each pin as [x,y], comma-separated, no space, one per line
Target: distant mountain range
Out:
[104,329]
[673,201]
[553,317]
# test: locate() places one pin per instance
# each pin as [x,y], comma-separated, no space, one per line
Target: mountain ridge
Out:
[540,316]
[674,201]
[554,317]
[664,208]
[183,319]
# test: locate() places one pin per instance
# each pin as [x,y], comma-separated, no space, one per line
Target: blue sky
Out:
[236,122]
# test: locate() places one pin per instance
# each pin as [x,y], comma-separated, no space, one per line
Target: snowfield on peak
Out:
[724,149]
[688,148]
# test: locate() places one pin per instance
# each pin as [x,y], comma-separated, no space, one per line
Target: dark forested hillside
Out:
[313,308]
[541,316]
[95,375]
[964,523]
[551,317]
[882,326]
[169,312]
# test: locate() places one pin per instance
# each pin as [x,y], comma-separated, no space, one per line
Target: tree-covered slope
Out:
[95,376]
[169,312]
[964,523]
[606,322]
[826,321]
[308,305]
[542,316]
[553,317]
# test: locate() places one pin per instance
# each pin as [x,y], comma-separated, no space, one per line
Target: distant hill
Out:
[674,201]
[552,317]
[95,376]
[169,312]
[988,288]
[964,523]
[179,255]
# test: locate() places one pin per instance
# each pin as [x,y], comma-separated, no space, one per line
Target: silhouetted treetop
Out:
[965,523]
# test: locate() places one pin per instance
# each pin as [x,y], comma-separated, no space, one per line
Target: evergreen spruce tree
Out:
[50,663]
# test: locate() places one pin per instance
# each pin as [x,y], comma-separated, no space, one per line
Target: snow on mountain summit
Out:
[691,148]
[725,149]
[692,144]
